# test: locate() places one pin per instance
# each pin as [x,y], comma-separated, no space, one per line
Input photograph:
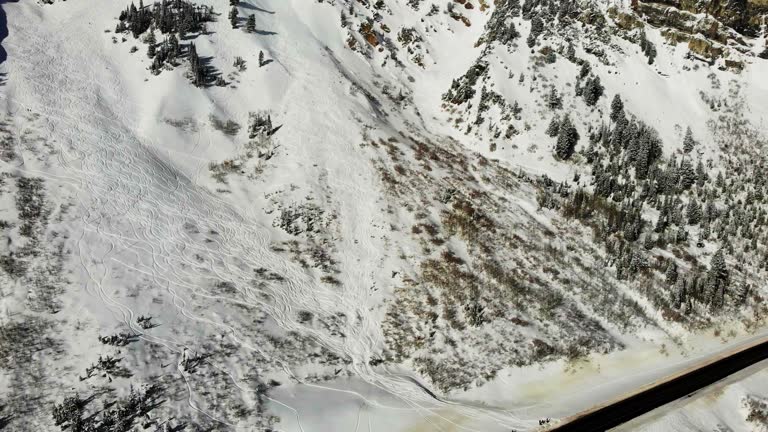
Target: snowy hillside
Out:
[305,215]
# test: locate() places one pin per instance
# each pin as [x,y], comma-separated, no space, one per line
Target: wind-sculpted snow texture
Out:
[333,215]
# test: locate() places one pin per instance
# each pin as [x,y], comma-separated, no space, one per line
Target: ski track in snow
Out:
[134,207]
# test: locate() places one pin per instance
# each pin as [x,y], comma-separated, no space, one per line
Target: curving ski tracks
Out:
[134,208]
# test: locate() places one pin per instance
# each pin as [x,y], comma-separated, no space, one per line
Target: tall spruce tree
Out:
[250,25]
[585,69]
[717,278]
[196,69]
[554,127]
[174,50]
[687,174]
[671,273]
[593,89]
[567,139]
[233,13]
[701,175]
[617,108]
[151,42]
[554,101]
[693,212]
[688,141]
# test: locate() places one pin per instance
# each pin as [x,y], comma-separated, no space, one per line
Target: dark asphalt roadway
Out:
[619,412]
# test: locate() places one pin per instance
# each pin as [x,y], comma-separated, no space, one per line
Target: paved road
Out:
[614,414]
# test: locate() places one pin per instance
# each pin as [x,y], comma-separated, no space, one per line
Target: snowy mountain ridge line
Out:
[354,210]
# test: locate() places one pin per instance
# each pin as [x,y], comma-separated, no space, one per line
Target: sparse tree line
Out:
[119,416]
[552,12]
[168,17]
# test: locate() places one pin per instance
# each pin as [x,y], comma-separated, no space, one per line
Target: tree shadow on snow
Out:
[4,29]
[211,73]
[196,361]
[256,8]
[5,420]
[242,22]
[178,428]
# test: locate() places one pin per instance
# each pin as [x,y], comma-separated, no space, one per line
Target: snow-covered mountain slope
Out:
[402,214]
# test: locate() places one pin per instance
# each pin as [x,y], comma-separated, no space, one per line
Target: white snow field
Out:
[282,280]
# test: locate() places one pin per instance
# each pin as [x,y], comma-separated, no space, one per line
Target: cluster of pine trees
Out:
[169,16]
[463,89]
[500,27]
[588,85]
[559,12]
[176,19]
[648,48]
[640,201]
[567,136]
[120,415]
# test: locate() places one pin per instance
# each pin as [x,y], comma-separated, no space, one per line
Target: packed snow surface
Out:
[277,275]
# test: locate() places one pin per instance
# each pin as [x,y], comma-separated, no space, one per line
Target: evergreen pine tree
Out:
[250,25]
[693,212]
[671,273]
[554,127]
[744,293]
[151,42]
[530,40]
[647,47]
[720,180]
[688,141]
[537,26]
[567,139]
[593,89]
[680,292]
[648,242]
[676,215]
[233,13]
[174,50]
[705,231]
[156,66]
[239,64]
[687,174]
[701,175]
[617,108]
[570,52]
[553,99]
[196,70]
[585,70]
[717,278]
